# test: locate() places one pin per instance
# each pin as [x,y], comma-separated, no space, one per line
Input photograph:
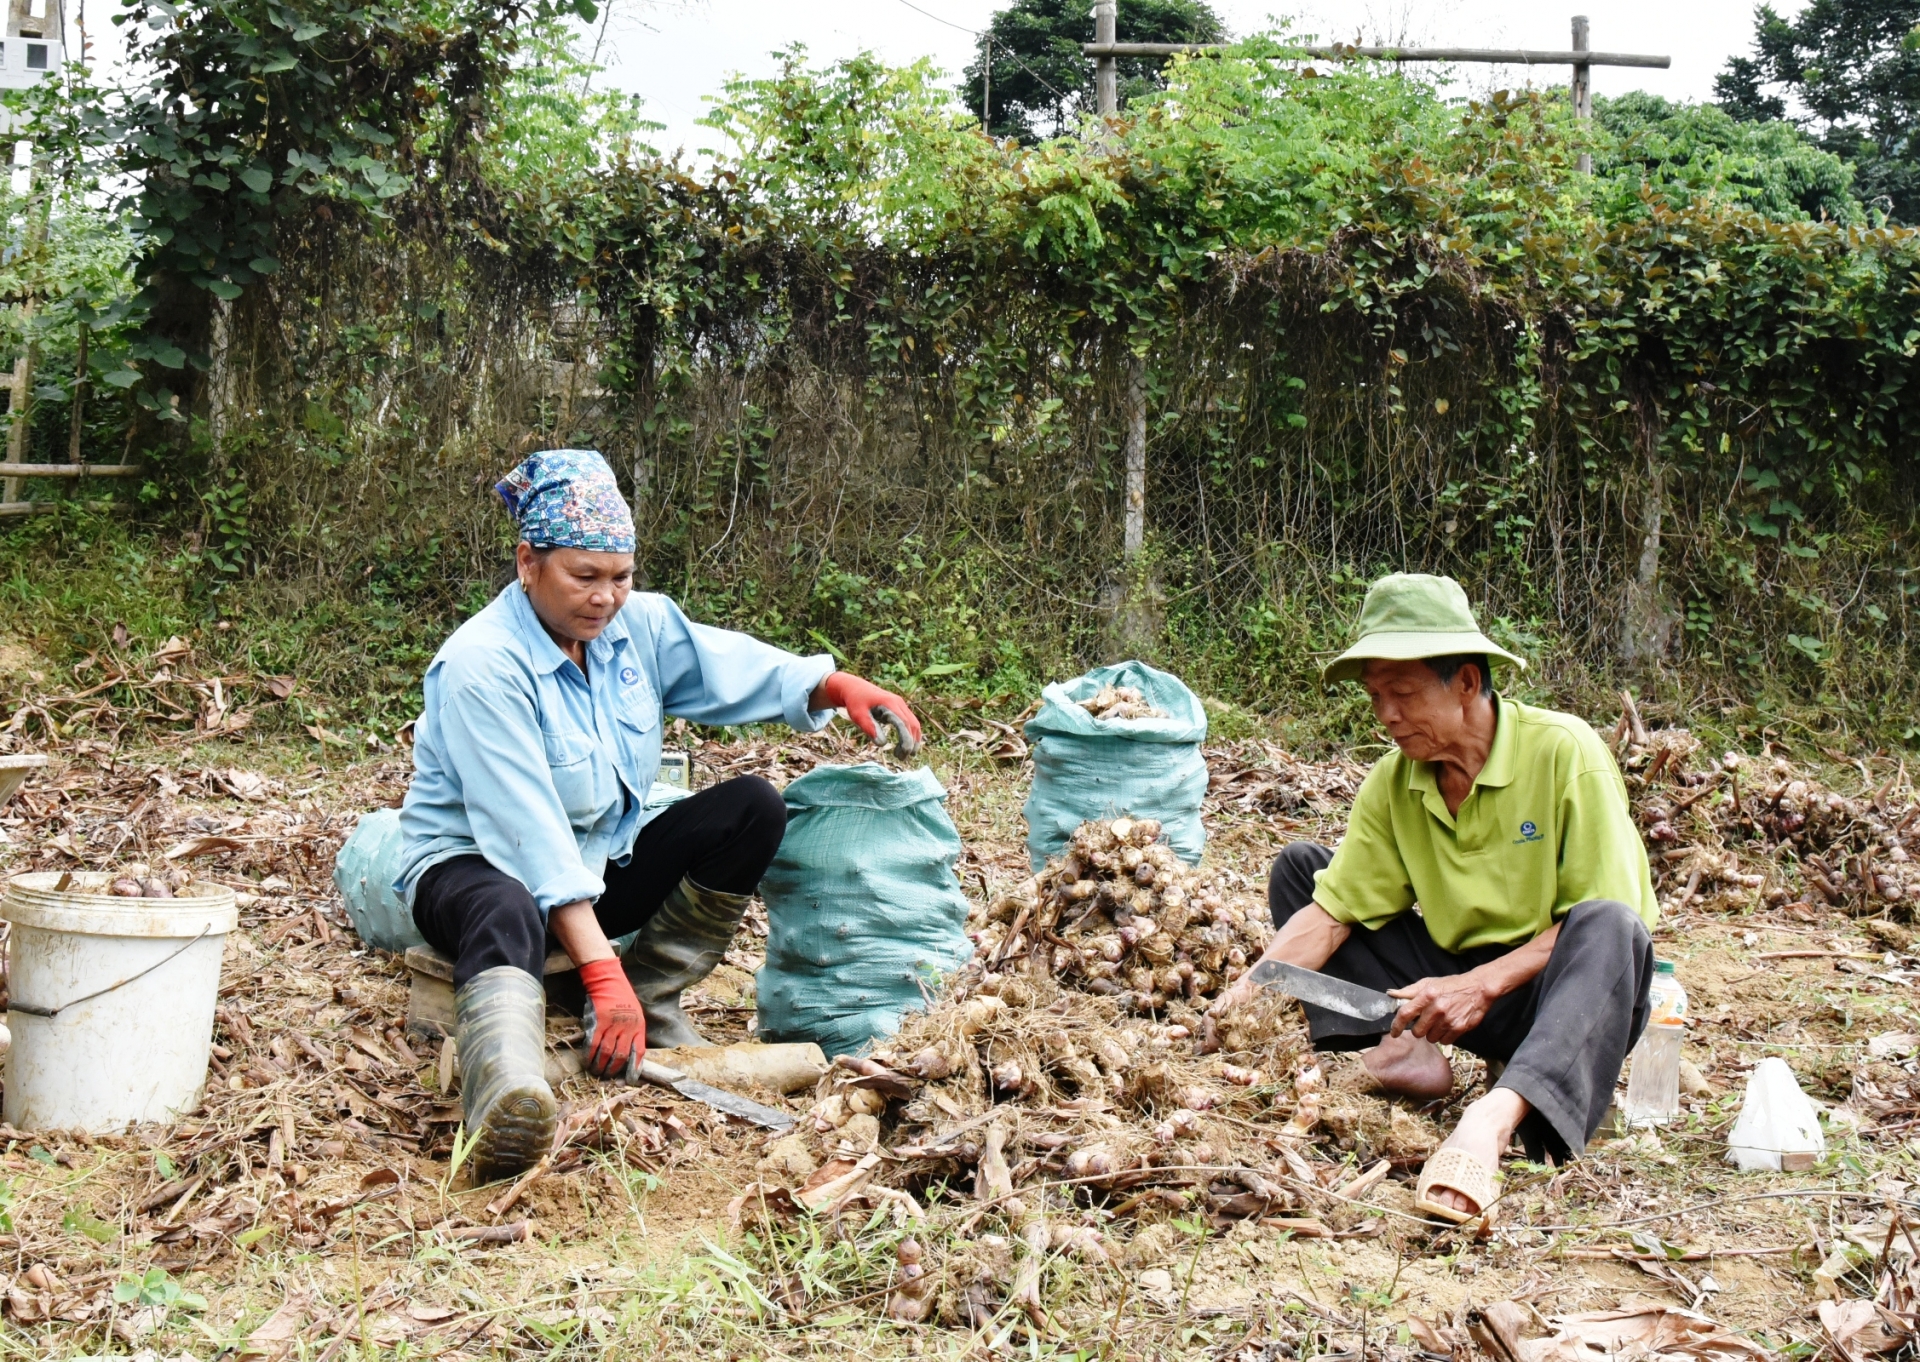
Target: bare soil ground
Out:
[310,1208]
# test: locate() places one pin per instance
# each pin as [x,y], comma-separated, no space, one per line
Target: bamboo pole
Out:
[11,470]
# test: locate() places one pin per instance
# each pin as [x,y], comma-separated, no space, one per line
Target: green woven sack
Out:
[864,911]
[1086,768]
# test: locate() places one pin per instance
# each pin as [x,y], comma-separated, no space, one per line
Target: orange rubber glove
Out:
[619,1026]
[858,697]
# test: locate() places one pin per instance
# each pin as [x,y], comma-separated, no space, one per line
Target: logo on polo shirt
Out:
[630,676]
[1529,832]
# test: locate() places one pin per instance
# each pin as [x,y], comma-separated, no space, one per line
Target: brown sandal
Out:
[1457,1171]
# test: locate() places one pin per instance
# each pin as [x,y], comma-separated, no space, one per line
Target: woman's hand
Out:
[619,1039]
[859,698]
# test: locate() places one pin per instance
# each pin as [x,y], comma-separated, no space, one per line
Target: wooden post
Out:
[220,384]
[1106,85]
[1135,537]
[1106,69]
[76,415]
[20,404]
[1582,86]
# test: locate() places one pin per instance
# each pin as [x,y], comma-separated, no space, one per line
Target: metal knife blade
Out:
[731,1103]
[1323,990]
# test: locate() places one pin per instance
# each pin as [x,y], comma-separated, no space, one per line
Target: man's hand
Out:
[1236,994]
[859,698]
[1309,939]
[1444,1008]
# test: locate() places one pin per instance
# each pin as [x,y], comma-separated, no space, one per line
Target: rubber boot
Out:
[679,946]
[500,1036]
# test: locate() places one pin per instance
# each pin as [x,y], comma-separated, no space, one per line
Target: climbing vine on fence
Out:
[867,371]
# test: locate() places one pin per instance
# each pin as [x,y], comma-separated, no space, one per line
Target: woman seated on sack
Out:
[527,821]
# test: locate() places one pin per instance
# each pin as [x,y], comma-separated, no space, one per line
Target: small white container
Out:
[138,1050]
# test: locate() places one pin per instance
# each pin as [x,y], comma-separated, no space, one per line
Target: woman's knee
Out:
[760,816]
[761,804]
[483,917]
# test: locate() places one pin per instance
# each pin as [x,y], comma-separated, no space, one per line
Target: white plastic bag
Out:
[1778,1126]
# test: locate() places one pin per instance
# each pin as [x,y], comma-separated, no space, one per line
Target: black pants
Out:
[723,838]
[1562,1035]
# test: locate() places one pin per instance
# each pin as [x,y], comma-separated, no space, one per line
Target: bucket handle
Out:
[32,1011]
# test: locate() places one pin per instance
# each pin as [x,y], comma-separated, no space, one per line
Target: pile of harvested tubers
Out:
[1068,1054]
[1120,915]
[137,881]
[1115,703]
[1738,827]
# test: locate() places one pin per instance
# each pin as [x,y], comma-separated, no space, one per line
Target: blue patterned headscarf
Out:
[567,499]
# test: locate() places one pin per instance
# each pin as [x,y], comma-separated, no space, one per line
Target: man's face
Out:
[1422,716]
[575,592]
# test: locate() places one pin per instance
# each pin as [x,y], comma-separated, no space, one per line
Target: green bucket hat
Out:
[1413,615]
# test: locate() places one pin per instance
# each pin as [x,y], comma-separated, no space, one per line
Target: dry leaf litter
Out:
[1063,1087]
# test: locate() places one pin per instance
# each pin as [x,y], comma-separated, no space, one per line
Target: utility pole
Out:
[1582,89]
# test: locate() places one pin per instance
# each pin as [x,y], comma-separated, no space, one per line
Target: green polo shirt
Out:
[1545,826]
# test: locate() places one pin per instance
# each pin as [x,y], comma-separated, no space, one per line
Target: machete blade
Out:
[729,1103]
[1333,995]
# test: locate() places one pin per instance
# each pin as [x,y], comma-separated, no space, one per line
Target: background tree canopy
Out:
[1042,84]
[1849,71]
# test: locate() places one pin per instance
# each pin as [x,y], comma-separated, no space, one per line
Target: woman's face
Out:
[575,592]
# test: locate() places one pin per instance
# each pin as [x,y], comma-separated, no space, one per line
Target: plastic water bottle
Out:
[1653,1085]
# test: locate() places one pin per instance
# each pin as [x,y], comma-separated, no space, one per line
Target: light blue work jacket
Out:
[544,770]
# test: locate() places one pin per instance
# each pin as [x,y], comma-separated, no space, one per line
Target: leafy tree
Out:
[1041,81]
[1850,71]
[267,123]
[1685,151]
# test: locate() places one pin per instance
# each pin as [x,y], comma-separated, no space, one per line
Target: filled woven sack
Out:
[1138,757]
[864,910]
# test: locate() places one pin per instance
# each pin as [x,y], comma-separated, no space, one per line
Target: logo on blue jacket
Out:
[1529,832]
[630,676]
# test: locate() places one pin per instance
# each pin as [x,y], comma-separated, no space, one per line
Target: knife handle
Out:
[649,1072]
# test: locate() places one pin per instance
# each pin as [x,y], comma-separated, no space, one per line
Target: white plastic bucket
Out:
[138,1050]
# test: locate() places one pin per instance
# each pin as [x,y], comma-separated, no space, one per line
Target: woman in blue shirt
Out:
[527,815]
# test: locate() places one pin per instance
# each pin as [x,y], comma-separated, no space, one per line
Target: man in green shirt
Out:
[1509,827]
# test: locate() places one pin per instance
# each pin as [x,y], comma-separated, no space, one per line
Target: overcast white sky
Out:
[673,53]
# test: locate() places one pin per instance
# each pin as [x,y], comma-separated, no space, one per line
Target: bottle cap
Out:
[1663,967]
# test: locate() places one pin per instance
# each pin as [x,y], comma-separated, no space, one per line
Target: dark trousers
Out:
[723,838]
[1562,1035]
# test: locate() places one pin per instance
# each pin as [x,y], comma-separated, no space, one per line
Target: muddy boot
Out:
[679,946]
[500,1031]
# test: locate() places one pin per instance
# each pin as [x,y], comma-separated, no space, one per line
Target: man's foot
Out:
[1410,1066]
[1483,1133]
